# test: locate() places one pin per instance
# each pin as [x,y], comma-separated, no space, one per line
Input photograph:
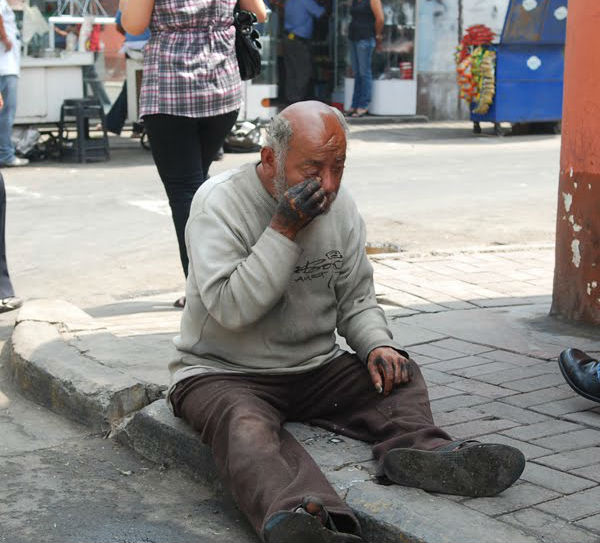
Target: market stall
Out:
[519,79]
[50,75]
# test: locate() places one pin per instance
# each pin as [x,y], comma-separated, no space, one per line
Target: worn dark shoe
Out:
[308,523]
[582,373]
[464,468]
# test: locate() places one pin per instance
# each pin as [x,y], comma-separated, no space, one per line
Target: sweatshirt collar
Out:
[258,186]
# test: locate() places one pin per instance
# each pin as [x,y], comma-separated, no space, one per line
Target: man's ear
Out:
[268,161]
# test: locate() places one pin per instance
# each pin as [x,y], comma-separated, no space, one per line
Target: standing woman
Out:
[365,33]
[191,90]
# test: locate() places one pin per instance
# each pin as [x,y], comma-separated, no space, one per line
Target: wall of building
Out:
[440,25]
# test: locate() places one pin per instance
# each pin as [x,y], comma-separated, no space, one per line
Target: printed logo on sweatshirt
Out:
[319,268]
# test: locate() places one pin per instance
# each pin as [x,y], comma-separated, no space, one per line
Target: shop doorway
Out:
[394,74]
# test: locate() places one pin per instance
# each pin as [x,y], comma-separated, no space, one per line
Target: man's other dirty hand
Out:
[299,205]
[388,368]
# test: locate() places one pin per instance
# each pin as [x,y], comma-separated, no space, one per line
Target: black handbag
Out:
[247,46]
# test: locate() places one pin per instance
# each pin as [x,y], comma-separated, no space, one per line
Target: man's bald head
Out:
[303,119]
[312,115]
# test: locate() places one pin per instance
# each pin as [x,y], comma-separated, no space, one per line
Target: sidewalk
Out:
[476,322]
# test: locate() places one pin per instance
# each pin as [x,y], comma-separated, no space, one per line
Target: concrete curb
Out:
[54,373]
[48,368]
[157,435]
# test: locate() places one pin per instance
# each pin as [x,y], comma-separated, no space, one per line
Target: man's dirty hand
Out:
[388,368]
[300,205]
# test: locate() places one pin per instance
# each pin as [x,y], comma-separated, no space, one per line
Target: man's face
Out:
[316,153]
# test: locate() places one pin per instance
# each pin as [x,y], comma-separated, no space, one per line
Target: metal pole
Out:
[460,37]
[576,295]
[336,26]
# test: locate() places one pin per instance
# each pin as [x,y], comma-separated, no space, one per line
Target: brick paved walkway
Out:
[496,395]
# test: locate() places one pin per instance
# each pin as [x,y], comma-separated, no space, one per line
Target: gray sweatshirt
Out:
[257,302]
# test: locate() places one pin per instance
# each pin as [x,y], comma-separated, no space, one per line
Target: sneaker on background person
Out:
[15,162]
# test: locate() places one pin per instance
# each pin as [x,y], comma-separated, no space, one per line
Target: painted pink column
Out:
[576,293]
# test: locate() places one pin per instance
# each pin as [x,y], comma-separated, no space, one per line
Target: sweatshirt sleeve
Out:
[360,320]
[238,285]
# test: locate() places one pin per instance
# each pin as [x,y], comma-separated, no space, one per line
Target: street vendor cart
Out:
[529,65]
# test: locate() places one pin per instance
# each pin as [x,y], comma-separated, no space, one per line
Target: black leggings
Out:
[183,149]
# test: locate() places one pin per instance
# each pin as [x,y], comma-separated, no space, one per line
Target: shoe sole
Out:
[303,528]
[476,470]
[567,377]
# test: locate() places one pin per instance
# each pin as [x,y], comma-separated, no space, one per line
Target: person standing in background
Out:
[90,74]
[191,91]
[133,48]
[298,24]
[10,62]
[365,33]
[8,300]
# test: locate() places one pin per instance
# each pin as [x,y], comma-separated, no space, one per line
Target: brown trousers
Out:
[266,469]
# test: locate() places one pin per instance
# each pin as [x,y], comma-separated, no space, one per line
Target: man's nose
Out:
[329,182]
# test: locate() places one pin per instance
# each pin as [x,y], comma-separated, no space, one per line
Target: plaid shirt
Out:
[190,65]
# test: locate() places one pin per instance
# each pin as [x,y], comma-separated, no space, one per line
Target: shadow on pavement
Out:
[436,134]
[131,308]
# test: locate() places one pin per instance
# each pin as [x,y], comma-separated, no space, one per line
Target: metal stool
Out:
[77,113]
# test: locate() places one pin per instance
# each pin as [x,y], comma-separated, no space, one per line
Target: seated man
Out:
[277,263]
[582,373]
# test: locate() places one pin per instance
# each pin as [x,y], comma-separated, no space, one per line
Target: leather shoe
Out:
[308,523]
[582,373]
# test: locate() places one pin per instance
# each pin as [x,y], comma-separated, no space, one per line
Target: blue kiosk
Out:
[529,66]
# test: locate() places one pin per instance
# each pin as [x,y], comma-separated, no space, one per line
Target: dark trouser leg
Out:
[364,55]
[6,288]
[115,118]
[344,400]
[266,469]
[183,149]
[356,93]
[176,149]
[212,133]
[298,69]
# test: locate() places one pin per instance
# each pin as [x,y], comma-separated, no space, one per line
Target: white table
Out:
[44,84]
